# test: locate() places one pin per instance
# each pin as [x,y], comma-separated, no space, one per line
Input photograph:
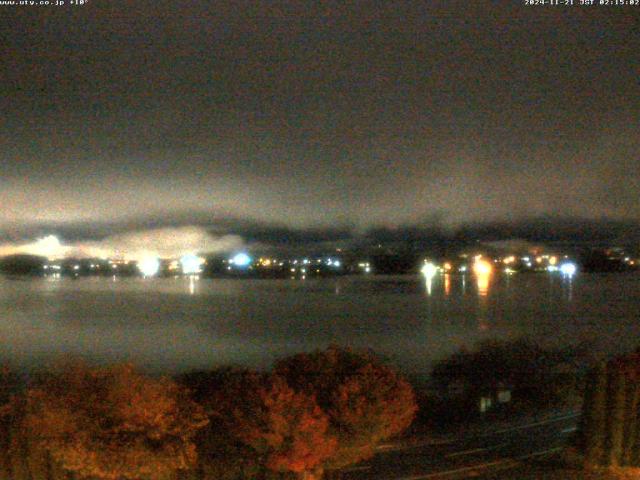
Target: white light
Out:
[336,263]
[191,264]
[552,268]
[149,266]
[463,268]
[429,270]
[367,269]
[241,259]
[568,269]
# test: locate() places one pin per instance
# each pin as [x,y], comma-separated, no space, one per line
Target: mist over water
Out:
[173,325]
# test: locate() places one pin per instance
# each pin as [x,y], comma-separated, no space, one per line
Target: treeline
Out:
[311,413]
[513,375]
[609,433]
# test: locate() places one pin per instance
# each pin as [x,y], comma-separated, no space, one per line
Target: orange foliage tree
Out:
[366,401]
[286,429]
[112,422]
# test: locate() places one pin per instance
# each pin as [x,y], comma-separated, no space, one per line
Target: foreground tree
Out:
[609,433]
[285,429]
[10,386]
[366,401]
[537,376]
[111,423]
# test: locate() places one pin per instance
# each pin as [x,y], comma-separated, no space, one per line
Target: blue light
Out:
[568,269]
[191,264]
[241,259]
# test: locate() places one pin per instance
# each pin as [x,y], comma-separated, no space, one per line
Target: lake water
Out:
[180,324]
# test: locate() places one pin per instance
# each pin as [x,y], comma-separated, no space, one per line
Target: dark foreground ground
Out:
[552,468]
[528,447]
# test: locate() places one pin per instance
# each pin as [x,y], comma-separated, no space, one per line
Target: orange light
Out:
[482,267]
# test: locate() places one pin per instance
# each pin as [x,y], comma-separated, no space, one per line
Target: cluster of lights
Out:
[483,267]
[430,269]
[365,266]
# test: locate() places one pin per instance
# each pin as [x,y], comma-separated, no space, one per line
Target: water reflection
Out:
[190,323]
[428,282]
[567,285]
[483,282]
[429,271]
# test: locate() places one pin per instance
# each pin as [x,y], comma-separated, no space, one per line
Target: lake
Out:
[174,325]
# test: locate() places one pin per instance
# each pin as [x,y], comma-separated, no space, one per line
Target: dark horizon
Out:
[168,237]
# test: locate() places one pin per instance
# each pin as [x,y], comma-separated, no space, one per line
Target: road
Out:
[483,451]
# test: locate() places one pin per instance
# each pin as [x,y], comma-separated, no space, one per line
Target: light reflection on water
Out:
[184,323]
[483,281]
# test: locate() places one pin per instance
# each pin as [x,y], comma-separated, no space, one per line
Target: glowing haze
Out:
[310,113]
[137,245]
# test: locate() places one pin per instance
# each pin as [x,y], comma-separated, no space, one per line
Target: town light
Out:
[149,266]
[191,264]
[429,270]
[482,267]
[568,269]
[241,259]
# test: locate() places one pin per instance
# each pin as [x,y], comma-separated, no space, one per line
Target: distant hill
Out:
[22,264]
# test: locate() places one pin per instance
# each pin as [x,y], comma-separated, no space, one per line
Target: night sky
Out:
[139,114]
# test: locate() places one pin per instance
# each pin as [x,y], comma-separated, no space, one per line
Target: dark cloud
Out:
[308,114]
[206,233]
